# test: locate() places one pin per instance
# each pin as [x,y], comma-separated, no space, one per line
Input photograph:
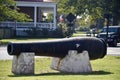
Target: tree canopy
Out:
[8,11]
[94,8]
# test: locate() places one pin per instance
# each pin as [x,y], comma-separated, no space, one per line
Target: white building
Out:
[35,9]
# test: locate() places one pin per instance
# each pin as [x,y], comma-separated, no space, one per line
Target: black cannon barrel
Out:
[59,48]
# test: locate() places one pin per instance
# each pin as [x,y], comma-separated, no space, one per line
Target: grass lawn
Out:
[79,34]
[6,41]
[107,68]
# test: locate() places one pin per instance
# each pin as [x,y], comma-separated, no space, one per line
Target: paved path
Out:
[3,53]
[114,51]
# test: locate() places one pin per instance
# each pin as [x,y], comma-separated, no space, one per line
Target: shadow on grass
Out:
[61,74]
[118,57]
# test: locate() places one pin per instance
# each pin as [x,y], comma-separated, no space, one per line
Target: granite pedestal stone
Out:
[73,63]
[23,64]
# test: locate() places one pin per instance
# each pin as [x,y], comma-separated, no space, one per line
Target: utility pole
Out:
[107,16]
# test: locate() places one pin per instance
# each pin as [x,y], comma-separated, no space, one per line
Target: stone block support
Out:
[73,63]
[23,64]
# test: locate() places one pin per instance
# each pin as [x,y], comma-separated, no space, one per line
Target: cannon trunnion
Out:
[59,48]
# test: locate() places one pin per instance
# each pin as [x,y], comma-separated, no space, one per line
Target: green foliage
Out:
[93,8]
[75,6]
[59,32]
[50,18]
[66,30]
[6,32]
[45,31]
[7,13]
[31,31]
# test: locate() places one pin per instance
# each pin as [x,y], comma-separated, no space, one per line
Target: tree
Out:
[95,9]
[8,11]
[112,7]
[71,6]
[116,12]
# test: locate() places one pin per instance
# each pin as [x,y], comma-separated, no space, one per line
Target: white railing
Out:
[26,25]
[45,25]
[7,24]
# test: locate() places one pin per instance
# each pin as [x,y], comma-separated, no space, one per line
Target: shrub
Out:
[66,30]
[45,31]
[61,31]
[31,31]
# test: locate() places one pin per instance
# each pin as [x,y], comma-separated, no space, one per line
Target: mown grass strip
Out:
[107,68]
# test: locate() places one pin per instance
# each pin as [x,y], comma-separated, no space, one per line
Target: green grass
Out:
[107,68]
[6,41]
[79,34]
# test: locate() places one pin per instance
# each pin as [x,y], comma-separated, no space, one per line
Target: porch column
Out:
[55,14]
[35,15]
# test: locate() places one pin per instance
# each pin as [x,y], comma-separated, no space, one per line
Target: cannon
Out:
[59,48]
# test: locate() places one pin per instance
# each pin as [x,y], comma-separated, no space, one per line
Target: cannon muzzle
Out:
[59,48]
